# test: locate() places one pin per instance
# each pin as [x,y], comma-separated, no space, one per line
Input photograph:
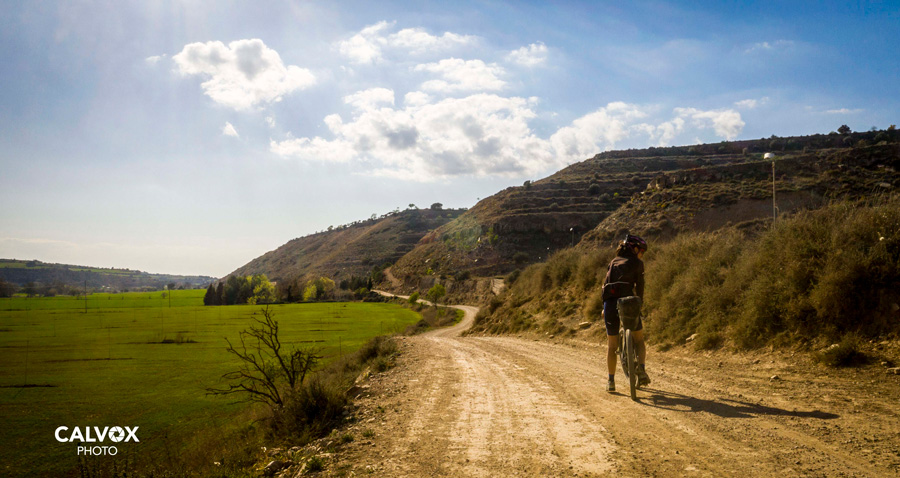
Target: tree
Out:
[436,293]
[268,372]
[210,298]
[844,129]
[437,206]
[7,289]
[262,291]
[318,289]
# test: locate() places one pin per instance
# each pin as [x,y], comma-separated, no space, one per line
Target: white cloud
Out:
[370,98]
[596,131]
[416,98]
[229,130]
[845,111]
[779,45]
[480,135]
[486,135]
[155,59]
[751,103]
[617,122]
[418,41]
[365,46]
[243,74]
[369,45]
[315,149]
[726,123]
[270,120]
[530,56]
[463,75]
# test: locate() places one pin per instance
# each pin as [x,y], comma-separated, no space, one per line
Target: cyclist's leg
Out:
[611,346]
[611,320]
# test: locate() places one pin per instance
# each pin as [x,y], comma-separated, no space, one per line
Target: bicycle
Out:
[629,313]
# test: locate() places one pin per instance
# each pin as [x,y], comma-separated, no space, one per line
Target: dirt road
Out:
[506,406]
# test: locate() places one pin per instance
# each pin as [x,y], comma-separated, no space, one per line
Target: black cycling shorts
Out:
[611,317]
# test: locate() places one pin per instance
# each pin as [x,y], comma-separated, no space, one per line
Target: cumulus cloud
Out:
[608,126]
[463,75]
[529,56]
[369,45]
[242,74]
[229,130]
[726,123]
[485,135]
[480,135]
[596,131]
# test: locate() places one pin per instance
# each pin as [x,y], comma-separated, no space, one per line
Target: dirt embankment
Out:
[506,406]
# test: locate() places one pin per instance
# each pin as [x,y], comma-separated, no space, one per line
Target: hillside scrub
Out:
[564,286]
[814,276]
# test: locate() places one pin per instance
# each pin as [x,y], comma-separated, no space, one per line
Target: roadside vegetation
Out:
[813,279]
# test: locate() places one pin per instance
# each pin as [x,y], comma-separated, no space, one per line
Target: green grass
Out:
[111,366]
[156,299]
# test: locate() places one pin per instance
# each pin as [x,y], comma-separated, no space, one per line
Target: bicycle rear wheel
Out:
[623,354]
[632,366]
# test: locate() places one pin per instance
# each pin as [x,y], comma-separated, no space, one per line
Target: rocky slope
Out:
[351,250]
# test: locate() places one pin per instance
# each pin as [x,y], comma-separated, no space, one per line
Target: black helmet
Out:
[635,241]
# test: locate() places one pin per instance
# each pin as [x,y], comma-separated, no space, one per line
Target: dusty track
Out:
[504,406]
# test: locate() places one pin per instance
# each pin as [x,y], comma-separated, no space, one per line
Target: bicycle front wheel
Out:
[632,366]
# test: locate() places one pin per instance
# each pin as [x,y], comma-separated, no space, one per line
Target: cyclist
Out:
[626,269]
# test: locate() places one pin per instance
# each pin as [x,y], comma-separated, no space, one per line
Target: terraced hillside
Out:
[714,196]
[658,192]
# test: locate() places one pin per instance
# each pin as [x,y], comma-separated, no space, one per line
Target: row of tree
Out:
[255,289]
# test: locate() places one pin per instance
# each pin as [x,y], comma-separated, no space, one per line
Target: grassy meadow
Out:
[134,360]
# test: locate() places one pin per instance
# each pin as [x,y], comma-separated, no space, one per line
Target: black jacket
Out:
[627,269]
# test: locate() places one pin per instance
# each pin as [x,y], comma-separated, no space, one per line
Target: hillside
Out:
[659,192]
[350,250]
[62,277]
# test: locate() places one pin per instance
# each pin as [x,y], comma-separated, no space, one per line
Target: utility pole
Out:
[774,205]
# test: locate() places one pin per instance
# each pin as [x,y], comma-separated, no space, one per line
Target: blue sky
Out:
[190,137]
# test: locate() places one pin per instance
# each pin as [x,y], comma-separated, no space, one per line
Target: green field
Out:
[132,360]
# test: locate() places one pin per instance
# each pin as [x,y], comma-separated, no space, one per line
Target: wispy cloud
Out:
[845,111]
[371,44]
[153,60]
[751,103]
[777,45]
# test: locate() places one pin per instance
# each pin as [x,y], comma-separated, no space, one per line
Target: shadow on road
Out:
[723,407]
